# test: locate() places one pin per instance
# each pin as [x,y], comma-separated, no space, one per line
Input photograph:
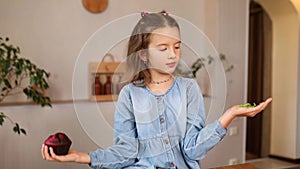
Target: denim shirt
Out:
[159,131]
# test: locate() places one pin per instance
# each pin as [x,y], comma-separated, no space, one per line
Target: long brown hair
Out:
[139,41]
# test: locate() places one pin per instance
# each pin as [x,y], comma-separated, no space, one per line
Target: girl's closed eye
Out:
[177,47]
[162,48]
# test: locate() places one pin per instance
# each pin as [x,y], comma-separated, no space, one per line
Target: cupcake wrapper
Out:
[60,150]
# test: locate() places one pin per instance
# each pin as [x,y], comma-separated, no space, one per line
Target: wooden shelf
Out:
[112,70]
[104,98]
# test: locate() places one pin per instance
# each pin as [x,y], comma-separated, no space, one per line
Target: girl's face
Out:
[164,50]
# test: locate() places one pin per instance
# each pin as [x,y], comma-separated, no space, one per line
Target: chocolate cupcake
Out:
[59,142]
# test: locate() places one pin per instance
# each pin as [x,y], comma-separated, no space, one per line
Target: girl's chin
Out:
[166,71]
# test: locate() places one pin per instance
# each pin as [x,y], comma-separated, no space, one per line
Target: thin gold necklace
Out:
[162,81]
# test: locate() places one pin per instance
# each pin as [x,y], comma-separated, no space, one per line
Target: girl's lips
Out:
[171,64]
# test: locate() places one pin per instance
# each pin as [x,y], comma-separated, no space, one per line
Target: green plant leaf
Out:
[210,59]
[1,52]
[16,128]
[222,56]
[3,89]
[230,68]
[2,117]
[23,131]
[7,84]
[248,105]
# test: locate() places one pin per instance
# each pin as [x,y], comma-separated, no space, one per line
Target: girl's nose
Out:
[172,54]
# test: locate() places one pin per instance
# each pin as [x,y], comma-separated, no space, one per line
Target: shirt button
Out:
[162,119]
[172,165]
[167,141]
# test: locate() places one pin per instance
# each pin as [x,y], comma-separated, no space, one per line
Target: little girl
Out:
[159,118]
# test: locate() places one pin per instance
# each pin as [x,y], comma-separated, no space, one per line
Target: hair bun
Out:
[144,13]
[164,12]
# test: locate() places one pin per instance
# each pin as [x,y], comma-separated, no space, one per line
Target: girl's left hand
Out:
[72,156]
[240,111]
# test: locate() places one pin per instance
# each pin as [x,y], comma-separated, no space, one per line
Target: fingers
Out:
[42,151]
[50,157]
[267,102]
[53,155]
[264,104]
[260,107]
[56,157]
[45,153]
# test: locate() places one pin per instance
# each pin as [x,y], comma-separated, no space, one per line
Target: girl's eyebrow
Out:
[165,44]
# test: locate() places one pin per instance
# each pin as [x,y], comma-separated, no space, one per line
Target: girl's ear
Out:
[143,55]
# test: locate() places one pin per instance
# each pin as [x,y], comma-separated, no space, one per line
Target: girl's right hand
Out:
[72,156]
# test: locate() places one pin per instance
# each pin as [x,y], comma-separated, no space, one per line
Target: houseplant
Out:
[20,75]
[191,71]
[203,77]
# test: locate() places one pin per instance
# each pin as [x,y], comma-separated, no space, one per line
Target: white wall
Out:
[232,25]
[52,33]
[285,74]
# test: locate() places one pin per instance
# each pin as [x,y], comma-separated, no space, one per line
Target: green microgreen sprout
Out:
[248,105]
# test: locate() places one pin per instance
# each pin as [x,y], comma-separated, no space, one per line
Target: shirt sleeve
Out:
[125,150]
[199,138]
